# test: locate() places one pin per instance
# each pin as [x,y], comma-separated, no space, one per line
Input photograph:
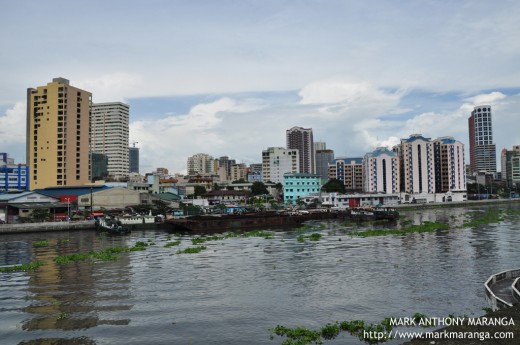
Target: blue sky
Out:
[229,77]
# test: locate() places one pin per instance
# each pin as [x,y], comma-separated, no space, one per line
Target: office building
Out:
[381,171]
[323,159]
[133,159]
[58,135]
[482,150]
[99,166]
[276,161]
[301,139]
[109,136]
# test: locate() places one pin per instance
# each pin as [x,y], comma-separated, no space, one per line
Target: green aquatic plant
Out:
[41,243]
[171,244]
[24,267]
[63,316]
[424,227]
[108,254]
[313,237]
[192,250]
[259,233]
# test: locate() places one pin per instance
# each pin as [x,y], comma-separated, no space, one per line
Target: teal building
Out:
[299,185]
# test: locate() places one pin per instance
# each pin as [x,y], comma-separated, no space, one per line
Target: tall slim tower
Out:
[109,126]
[58,135]
[482,150]
[300,139]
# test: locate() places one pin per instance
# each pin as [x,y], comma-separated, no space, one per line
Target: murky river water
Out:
[239,288]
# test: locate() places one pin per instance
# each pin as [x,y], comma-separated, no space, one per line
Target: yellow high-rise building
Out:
[58,135]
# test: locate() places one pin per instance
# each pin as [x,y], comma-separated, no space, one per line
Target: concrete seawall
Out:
[47,226]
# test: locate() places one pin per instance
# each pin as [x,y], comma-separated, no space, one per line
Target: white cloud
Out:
[12,131]
[486,99]
[111,87]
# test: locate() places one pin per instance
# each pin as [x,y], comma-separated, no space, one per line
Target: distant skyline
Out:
[230,77]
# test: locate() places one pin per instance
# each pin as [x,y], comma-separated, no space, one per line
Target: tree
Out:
[40,215]
[199,190]
[241,180]
[258,188]
[334,185]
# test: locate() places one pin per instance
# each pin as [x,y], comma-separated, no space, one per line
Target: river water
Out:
[239,288]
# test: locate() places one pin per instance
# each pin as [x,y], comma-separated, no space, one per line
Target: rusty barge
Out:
[216,223]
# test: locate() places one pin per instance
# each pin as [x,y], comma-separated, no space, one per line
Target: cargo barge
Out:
[215,223]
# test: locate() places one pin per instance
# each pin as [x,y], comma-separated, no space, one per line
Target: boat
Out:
[111,225]
[224,222]
[372,213]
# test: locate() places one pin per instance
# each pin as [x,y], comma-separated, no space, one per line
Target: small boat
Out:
[372,213]
[111,225]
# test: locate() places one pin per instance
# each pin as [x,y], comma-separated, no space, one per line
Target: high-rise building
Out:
[511,166]
[450,170]
[133,159]
[323,159]
[109,132]
[300,139]
[416,157]
[381,171]
[482,150]
[201,163]
[277,161]
[58,135]
[349,171]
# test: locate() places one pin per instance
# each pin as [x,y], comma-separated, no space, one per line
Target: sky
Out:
[229,77]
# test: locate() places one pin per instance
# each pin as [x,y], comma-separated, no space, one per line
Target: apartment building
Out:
[58,135]
[276,161]
[381,171]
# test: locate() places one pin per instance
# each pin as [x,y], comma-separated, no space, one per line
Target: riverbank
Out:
[464,339]
[46,226]
[456,204]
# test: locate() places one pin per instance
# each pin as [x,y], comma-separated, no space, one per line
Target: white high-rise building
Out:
[109,135]
[277,161]
[417,168]
[482,149]
[450,167]
[381,171]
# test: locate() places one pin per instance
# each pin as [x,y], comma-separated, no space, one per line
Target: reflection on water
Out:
[237,289]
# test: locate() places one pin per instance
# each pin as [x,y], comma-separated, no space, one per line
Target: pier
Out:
[502,289]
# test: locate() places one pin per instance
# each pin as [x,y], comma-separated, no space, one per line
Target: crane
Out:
[134,142]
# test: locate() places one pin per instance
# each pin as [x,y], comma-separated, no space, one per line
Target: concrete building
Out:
[276,161]
[381,171]
[450,172]
[349,171]
[416,155]
[237,172]
[301,139]
[298,185]
[58,135]
[13,177]
[482,150]
[109,131]
[323,159]
[255,173]
[201,163]
[511,166]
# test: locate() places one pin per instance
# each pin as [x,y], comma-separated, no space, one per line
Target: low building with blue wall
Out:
[13,177]
[298,185]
